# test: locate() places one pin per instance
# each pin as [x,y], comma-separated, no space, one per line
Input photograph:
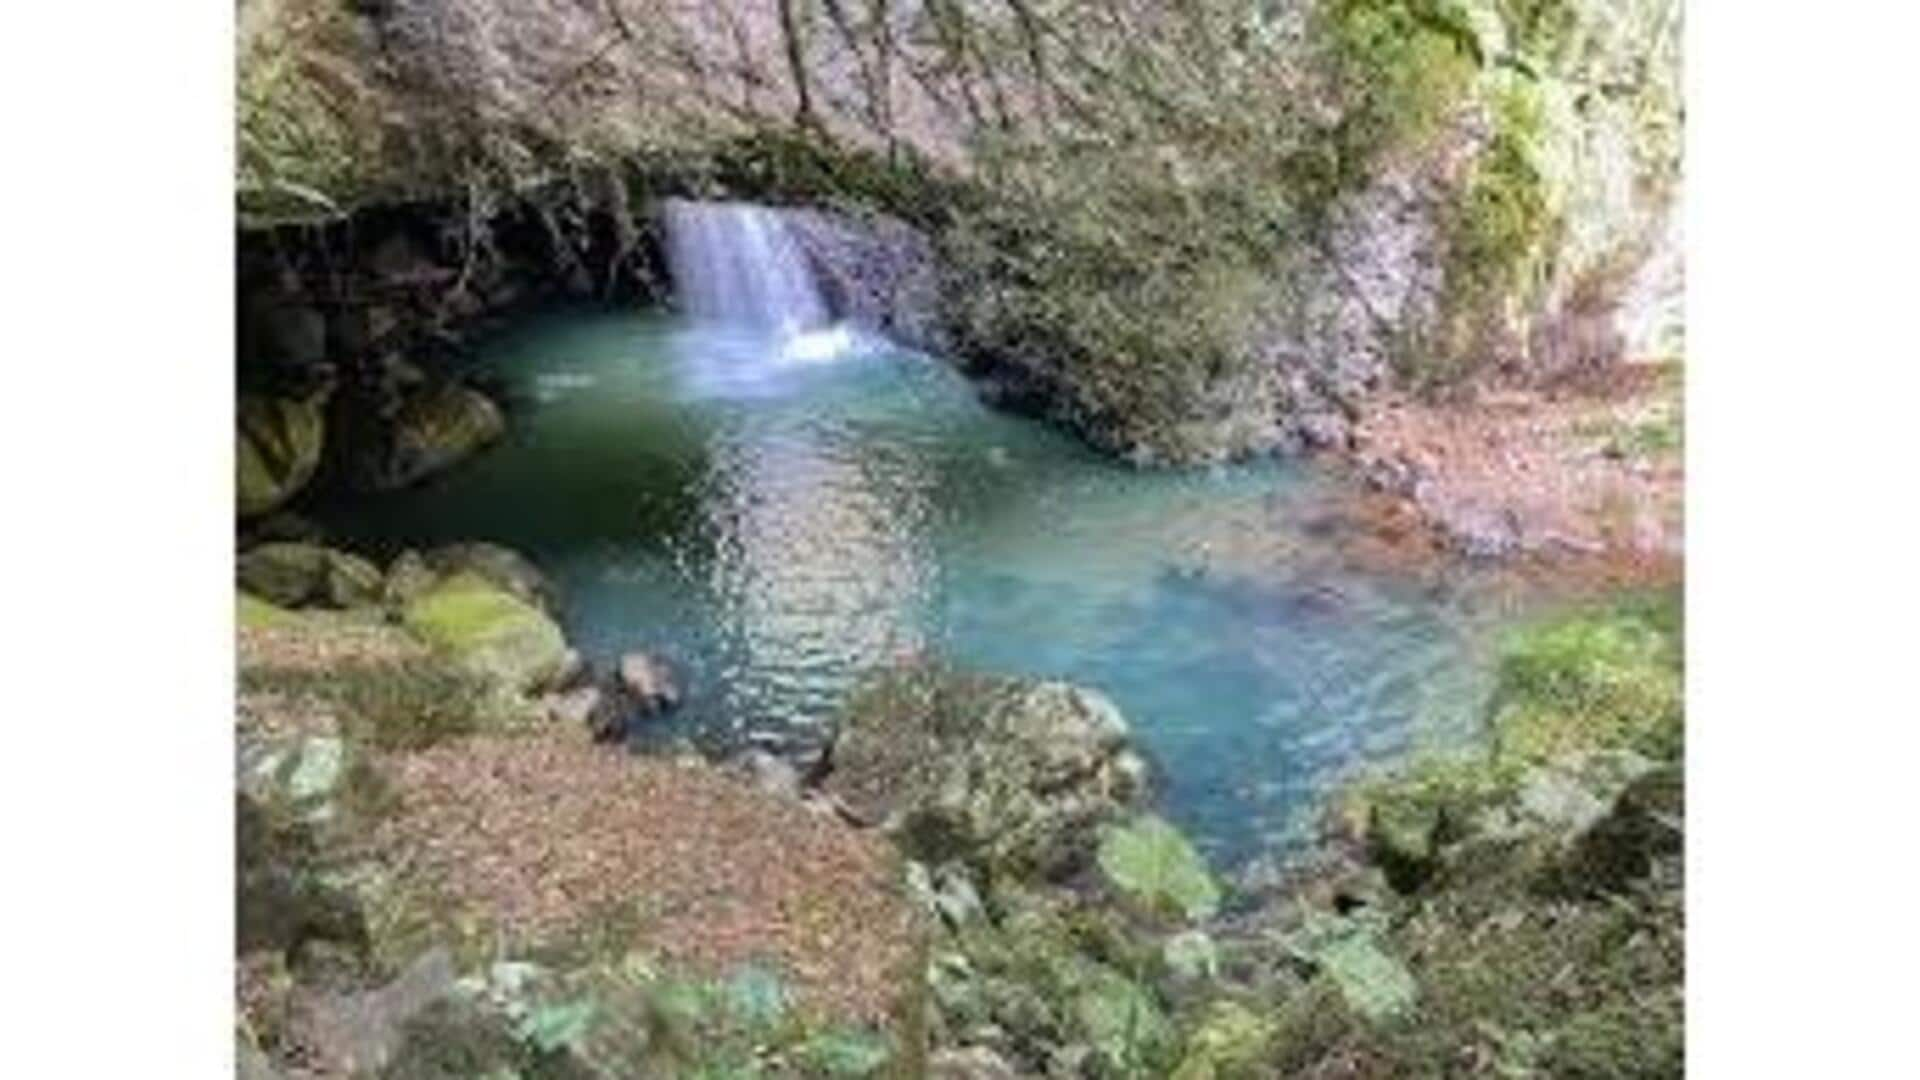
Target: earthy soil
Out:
[1580,479]
[540,834]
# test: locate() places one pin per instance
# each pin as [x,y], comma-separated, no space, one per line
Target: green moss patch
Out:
[488,630]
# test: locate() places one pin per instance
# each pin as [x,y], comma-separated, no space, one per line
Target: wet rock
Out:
[286,334]
[439,428]
[586,707]
[648,683]
[277,450]
[1010,774]
[294,575]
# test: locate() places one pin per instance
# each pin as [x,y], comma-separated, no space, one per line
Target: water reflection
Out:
[778,525]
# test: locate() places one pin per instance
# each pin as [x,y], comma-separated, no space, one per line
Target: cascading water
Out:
[737,265]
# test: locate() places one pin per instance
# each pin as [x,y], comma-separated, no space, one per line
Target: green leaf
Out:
[1191,955]
[1150,861]
[550,1027]
[1372,983]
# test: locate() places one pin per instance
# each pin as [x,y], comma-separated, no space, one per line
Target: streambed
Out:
[777,521]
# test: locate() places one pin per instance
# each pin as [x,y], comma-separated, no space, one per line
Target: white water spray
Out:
[737,265]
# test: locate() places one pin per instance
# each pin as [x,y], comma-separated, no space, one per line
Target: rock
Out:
[877,271]
[408,578]
[286,334]
[291,802]
[1403,838]
[648,683]
[357,1034]
[438,428]
[250,1063]
[490,631]
[295,575]
[969,1063]
[1009,774]
[769,773]
[1646,823]
[503,567]
[588,707]
[277,450]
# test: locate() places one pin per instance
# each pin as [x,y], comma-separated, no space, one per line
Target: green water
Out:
[777,528]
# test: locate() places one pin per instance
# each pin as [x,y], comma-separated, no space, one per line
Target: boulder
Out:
[588,707]
[408,578]
[649,683]
[1009,774]
[490,631]
[767,772]
[277,449]
[503,567]
[440,427]
[294,575]
[358,1034]
[286,333]
[1645,823]
[291,802]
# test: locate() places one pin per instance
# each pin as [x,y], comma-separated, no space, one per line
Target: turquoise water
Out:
[778,527]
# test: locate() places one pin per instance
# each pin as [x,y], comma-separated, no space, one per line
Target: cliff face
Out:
[1190,235]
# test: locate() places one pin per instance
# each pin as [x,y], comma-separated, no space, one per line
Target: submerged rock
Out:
[277,450]
[294,575]
[1010,774]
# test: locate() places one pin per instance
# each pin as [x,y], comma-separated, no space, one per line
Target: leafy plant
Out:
[1150,861]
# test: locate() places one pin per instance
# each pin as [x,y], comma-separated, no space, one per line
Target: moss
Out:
[277,448]
[488,630]
[251,612]
[1598,680]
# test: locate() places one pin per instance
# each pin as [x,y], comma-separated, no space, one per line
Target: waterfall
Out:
[737,264]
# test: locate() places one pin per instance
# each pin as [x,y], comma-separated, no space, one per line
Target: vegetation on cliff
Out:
[1191,233]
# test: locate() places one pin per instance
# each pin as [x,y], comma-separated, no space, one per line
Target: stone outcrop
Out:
[489,631]
[1011,775]
[278,447]
[295,575]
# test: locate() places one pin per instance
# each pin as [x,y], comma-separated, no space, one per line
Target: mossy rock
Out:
[1010,775]
[277,450]
[1645,823]
[441,427]
[490,631]
[503,567]
[252,613]
[295,575]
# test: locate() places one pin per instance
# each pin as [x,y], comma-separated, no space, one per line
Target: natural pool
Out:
[777,526]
